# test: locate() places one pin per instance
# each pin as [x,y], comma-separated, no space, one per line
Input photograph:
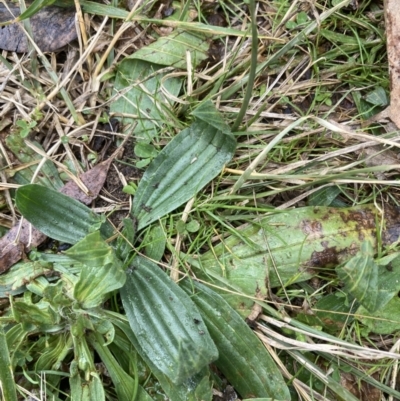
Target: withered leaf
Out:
[93,180]
[52,28]
[17,242]
[392,21]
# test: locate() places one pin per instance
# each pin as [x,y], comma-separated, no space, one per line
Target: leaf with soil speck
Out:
[52,28]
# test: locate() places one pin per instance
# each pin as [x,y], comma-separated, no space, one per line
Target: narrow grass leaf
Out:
[34,8]
[166,323]
[189,162]
[243,359]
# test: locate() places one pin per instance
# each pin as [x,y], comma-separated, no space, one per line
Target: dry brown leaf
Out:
[18,241]
[93,180]
[52,28]
[392,20]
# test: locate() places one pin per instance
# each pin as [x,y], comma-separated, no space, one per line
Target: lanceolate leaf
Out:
[243,359]
[29,237]
[101,273]
[382,322]
[144,92]
[207,112]
[124,384]
[172,50]
[189,162]
[56,215]
[195,388]
[166,323]
[371,284]
[140,99]
[292,246]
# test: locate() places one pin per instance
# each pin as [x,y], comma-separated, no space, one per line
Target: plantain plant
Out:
[65,320]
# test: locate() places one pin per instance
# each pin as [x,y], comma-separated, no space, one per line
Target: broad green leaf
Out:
[82,390]
[140,99]
[55,293]
[49,358]
[172,50]
[154,242]
[189,162]
[384,321]
[101,273]
[292,246]
[195,388]
[144,150]
[207,112]
[166,323]
[56,215]
[20,274]
[334,311]
[36,316]
[377,97]
[371,285]
[243,359]
[92,251]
